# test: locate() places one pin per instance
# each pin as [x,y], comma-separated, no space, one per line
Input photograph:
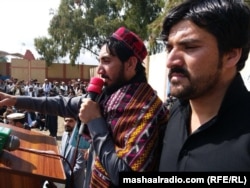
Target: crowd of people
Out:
[33,88]
[133,130]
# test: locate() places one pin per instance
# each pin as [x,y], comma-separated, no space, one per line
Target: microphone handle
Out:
[84,130]
[82,126]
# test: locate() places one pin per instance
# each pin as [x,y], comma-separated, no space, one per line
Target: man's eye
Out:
[168,49]
[190,47]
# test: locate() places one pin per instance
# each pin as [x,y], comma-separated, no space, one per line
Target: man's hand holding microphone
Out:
[90,108]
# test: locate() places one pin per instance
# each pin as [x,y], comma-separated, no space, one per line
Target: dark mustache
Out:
[104,76]
[178,70]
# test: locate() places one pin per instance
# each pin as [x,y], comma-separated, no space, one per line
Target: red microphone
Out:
[93,90]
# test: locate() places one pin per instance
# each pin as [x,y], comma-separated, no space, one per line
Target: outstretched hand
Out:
[7,100]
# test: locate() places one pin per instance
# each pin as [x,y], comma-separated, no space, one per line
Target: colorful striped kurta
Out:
[136,116]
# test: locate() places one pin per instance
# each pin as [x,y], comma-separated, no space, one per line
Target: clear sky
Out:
[22,21]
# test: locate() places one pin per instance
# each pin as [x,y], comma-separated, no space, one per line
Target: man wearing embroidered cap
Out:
[125,122]
[132,41]
[126,130]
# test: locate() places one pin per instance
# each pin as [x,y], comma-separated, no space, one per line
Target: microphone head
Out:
[12,143]
[95,85]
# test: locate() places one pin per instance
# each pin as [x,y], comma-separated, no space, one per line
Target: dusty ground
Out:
[59,130]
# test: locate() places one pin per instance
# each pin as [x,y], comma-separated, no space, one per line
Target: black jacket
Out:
[222,144]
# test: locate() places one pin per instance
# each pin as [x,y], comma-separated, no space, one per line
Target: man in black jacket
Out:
[207,44]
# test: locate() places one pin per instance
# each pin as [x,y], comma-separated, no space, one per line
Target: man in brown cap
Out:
[125,123]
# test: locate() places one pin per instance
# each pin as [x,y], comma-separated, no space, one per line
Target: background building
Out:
[157,72]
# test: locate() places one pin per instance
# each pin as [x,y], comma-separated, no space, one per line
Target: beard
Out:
[68,128]
[116,84]
[196,86]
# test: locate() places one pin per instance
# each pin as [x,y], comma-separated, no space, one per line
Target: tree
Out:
[81,25]
[154,29]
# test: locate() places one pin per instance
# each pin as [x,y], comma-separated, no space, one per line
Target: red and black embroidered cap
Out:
[132,41]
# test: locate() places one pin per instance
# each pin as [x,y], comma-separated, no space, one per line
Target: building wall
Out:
[4,68]
[37,69]
[246,74]
[157,74]
[26,70]
[155,67]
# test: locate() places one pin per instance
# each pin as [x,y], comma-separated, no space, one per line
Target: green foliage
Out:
[80,25]
[154,29]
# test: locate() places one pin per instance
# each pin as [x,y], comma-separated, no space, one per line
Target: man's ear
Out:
[232,57]
[131,63]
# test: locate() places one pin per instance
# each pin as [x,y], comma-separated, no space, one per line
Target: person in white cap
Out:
[18,120]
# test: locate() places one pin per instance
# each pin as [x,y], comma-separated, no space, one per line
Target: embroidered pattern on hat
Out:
[132,41]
